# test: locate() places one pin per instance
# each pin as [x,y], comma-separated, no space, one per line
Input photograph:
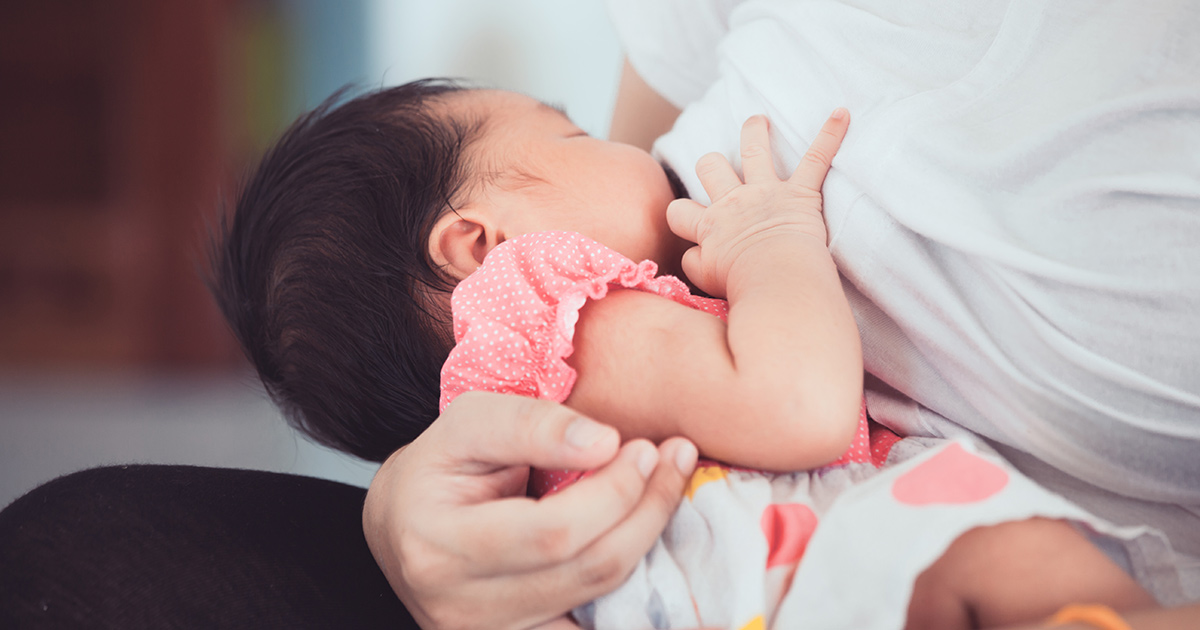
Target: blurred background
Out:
[123,123]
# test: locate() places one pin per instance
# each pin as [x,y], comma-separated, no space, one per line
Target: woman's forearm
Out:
[640,115]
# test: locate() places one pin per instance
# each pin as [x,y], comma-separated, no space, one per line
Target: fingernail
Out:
[647,460]
[839,113]
[583,433]
[685,458]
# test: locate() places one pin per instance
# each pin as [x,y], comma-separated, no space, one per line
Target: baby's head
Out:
[530,169]
[336,267]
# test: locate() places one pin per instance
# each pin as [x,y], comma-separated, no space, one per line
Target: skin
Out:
[640,115]
[788,360]
[1145,619]
[537,171]
[423,517]
[1016,572]
[789,355]
[447,519]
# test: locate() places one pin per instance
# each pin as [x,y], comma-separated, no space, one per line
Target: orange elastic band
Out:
[1101,617]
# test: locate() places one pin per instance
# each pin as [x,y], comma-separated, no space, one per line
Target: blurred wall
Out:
[123,124]
[113,144]
[560,52]
[125,120]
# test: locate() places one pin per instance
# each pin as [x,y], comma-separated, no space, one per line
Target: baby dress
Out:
[834,547]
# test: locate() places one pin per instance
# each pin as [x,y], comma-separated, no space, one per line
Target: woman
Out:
[1013,223]
[440,516]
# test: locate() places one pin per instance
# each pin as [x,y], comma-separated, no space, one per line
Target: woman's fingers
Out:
[491,431]
[526,534]
[810,173]
[490,438]
[604,565]
[447,520]
[758,166]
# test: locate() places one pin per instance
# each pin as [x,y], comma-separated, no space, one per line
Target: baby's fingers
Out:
[816,162]
[694,268]
[683,217]
[716,175]
[757,164]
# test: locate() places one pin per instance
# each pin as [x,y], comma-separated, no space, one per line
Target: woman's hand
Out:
[746,213]
[449,523]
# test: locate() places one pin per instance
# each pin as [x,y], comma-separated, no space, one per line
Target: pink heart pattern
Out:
[787,527]
[951,477]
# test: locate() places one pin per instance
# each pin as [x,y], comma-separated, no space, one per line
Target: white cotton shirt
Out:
[1015,212]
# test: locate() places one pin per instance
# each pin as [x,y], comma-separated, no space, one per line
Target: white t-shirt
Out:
[1015,212]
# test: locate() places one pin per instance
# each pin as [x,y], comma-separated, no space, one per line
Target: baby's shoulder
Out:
[545,262]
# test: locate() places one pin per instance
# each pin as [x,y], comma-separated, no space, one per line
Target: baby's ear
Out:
[458,244]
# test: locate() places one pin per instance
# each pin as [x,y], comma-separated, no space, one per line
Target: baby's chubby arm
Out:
[779,386]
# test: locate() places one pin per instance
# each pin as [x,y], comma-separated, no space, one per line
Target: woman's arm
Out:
[640,115]
[780,386]
[449,524]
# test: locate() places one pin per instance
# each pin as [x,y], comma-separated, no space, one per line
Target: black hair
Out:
[323,271]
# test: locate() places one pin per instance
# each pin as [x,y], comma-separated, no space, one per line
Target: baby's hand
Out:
[762,208]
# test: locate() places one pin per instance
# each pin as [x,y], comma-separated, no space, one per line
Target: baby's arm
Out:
[780,386]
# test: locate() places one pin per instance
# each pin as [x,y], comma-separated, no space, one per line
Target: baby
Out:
[563,255]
